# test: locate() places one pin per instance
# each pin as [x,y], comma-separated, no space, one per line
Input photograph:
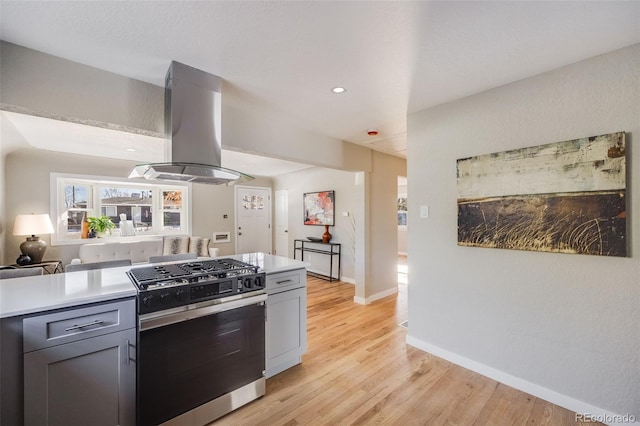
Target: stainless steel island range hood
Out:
[193,123]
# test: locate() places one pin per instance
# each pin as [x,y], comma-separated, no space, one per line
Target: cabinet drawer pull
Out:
[89,324]
[282,282]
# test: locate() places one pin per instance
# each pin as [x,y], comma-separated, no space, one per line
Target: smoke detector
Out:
[372,132]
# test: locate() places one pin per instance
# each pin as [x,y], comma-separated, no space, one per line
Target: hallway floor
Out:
[403,270]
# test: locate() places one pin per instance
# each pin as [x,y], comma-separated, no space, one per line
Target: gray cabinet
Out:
[286,326]
[79,366]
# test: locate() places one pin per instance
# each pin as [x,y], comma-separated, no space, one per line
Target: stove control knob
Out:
[180,295]
[164,298]
[147,301]
[259,282]
[248,283]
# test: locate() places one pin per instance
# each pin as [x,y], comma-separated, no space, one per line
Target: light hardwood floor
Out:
[359,371]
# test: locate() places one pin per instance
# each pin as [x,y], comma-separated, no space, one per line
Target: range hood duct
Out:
[193,123]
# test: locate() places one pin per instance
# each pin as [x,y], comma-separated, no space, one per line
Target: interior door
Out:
[282,223]
[253,219]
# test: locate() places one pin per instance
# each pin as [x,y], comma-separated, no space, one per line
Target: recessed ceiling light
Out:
[338,89]
[131,150]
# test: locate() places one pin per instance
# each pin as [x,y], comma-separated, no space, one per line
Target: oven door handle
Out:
[155,321]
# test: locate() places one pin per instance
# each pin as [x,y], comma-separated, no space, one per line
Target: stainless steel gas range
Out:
[201,340]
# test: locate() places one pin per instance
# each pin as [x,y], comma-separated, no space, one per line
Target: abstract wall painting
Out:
[319,208]
[565,197]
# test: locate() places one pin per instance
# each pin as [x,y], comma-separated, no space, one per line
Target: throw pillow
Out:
[200,246]
[175,245]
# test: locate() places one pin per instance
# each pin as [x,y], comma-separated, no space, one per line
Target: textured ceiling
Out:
[393,57]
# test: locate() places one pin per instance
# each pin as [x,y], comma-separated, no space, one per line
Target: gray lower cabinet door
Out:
[286,330]
[88,382]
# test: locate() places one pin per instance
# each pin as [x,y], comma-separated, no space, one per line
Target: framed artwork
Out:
[402,211]
[564,197]
[319,208]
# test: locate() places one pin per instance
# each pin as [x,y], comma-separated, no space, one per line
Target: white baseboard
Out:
[376,296]
[552,396]
[348,280]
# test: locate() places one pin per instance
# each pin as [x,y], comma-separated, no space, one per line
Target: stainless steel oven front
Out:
[199,362]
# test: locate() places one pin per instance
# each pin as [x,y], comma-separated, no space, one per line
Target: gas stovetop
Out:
[167,274]
[170,285]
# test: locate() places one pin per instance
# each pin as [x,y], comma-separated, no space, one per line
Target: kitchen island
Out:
[29,305]
[57,331]
[28,295]
[22,296]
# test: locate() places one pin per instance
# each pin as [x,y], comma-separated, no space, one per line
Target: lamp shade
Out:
[32,224]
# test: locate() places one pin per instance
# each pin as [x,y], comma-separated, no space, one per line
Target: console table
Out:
[49,266]
[330,249]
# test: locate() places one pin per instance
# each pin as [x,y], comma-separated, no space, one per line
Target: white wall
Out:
[368,235]
[27,177]
[402,240]
[40,84]
[250,125]
[382,229]
[347,194]
[565,327]
[10,140]
[35,83]
[210,205]
[52,86]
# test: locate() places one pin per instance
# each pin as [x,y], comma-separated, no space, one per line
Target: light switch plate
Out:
[424,212]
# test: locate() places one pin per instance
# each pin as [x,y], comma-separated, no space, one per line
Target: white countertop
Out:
[269,263]
[20,296]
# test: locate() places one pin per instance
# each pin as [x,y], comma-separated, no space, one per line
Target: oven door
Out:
[189,358]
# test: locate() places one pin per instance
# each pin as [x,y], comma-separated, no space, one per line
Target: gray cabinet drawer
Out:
[49,330]
[284,281]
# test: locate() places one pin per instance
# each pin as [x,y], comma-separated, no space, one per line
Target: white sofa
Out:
[137,251]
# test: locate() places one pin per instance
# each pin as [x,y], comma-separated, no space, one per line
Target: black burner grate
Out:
[218,267]
[158,272]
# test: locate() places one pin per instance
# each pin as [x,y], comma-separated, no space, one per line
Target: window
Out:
[171,210]
[128,203]
[253,202]
[76,204]
[152,209]
[402,211]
